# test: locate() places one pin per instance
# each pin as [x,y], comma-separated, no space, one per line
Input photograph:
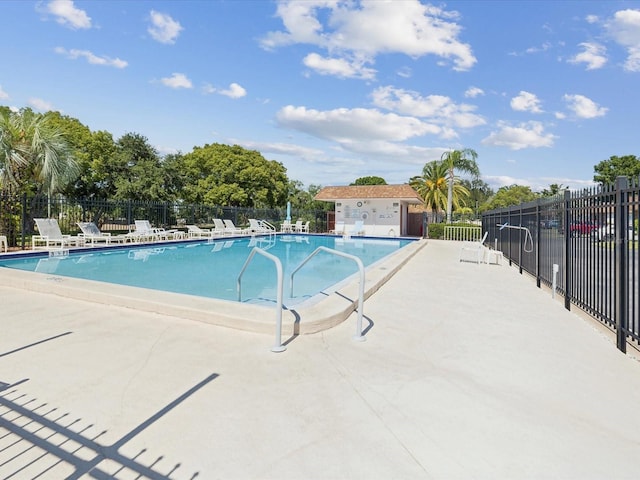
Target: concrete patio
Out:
[468,372]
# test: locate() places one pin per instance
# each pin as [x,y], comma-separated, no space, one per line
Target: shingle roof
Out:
[402,192]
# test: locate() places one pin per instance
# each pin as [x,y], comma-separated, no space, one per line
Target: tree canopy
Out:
[512,195]
[371,180]
[433,186]
[231,175]
[607,170]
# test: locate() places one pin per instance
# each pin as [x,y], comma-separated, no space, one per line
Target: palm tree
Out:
[463,161]
[33,151]
[432,187]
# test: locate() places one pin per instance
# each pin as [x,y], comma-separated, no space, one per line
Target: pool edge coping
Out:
[305,318]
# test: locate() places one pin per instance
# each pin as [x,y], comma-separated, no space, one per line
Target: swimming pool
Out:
[210,268]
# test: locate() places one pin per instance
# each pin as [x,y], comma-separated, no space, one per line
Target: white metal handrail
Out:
[358,336]
[278,347]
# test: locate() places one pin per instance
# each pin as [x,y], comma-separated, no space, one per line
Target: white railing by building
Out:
[463,234]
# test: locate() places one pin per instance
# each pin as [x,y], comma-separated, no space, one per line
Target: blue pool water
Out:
[211,268]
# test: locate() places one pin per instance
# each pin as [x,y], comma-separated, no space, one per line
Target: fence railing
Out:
[592,236]
[17,214]
[460,233]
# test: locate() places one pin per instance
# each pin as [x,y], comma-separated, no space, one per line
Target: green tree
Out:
[479,193]
[372,180]
[433,186]
[462,161]
[607,170]
[95,153]
[34,155]
[512,195]
[553,190]
[231,175]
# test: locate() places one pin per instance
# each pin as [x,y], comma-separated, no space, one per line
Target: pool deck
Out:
[467,372]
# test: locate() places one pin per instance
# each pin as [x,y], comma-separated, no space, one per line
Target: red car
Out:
[582,228]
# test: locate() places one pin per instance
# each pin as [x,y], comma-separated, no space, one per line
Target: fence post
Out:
[537,252]
[24,221]
[622,272]
[567,250]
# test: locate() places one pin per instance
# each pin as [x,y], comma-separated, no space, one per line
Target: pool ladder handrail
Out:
[358,336]
[278,347]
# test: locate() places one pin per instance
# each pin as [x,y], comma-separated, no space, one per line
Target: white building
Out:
[383,209]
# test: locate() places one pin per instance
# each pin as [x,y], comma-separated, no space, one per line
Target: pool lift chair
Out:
[474,251]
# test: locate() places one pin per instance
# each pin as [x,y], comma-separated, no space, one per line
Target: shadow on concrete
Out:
[34,344]
[38,440]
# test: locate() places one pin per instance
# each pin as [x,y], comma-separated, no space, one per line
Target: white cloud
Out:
[74,54]
[345,125]
[281,149]
[339,67]
[593,56]
[3,95]
[405,72]
[584,107]
[592,19]
[39,104]
[177,80]
[66,13]
[525,135]
[356,32]
[624,27]
[163,28]
[438,108]
[234,91]
[473,92]
[526,102]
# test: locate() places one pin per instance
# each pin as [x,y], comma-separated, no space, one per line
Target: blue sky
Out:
[336,89]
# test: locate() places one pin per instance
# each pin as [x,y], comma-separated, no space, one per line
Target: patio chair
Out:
[298,227]
[474,251]
[92,234]
[195,231]
[219,228]
[305,227]
[286,227]
[50,236]
[231,228]
[144,232]
[260,226]
[338,228]
[358,228]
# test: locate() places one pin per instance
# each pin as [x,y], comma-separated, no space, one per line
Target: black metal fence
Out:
[592,239]
[17,214]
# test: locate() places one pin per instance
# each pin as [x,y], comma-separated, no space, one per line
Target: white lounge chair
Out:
[358,228]
[260,226]
[338,228]
[219,228]
[232,229]
[474,251]
[144,232]
[92,234]
[195,231]
[50,236]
